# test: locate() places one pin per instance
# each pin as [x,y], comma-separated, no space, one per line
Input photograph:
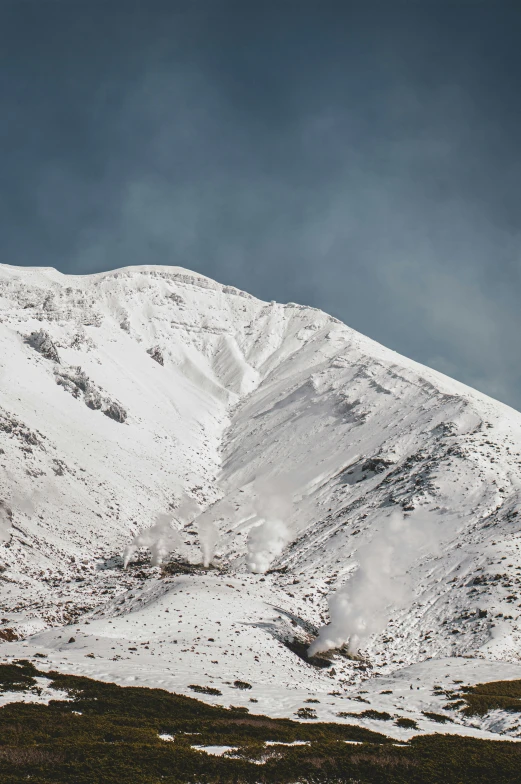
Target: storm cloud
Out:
[362,158]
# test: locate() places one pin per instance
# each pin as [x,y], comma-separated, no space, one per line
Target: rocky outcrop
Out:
[114,410]
[156,353]
[75,381]
[41,341]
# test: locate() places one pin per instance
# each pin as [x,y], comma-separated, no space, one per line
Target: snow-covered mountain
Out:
[129,395]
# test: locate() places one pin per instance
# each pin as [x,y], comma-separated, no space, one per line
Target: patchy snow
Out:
[39,694]
[290,743]
[502,722]
[251,397]
[216,751]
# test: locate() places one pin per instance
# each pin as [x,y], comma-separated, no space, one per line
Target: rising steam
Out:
[208,538]
[266,542]
[362,607]
[271,534]
[25,503]
[208,529]
[161,538]
[189,510]
[5,522]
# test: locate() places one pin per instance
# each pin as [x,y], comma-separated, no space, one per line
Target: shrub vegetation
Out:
[108,734]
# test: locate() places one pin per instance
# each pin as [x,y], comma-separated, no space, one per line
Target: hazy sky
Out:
[363,158]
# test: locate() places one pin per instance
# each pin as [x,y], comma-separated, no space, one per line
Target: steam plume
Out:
[208,537]
[189,509]
[362,607]
[270,536]
[18,502]
[266,542]
[208,529]
[5,522]
[161,538]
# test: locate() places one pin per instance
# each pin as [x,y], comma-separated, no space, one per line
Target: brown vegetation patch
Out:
[9,635]
[30,755]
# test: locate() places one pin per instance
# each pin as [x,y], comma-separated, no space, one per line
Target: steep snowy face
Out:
[363,434]
[116,390]
[124,394]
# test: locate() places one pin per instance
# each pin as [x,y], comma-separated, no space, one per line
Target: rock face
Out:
[341,431]
[75,381]
[41,341]
[114,411]
[156,353]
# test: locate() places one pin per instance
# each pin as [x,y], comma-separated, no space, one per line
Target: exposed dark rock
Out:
[12,426]
[376,464]
[173,568]
[49,303]
[93,400]
[241,685]
[300,649]
[9,635]
[41,341]
[156,353]
[114,410]
[75,381]
[59,467]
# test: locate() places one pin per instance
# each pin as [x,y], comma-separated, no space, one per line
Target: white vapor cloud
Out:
[270,535]
[5,522]
[362,607]
[208,529]
[161,538]
[208,538]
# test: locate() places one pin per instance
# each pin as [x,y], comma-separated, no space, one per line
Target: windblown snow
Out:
[340,495]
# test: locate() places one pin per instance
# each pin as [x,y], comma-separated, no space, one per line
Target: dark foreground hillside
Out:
[107,734]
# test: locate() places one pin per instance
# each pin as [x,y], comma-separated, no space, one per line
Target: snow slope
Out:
[251,409]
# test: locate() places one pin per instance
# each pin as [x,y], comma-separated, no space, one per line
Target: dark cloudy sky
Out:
[361,157]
